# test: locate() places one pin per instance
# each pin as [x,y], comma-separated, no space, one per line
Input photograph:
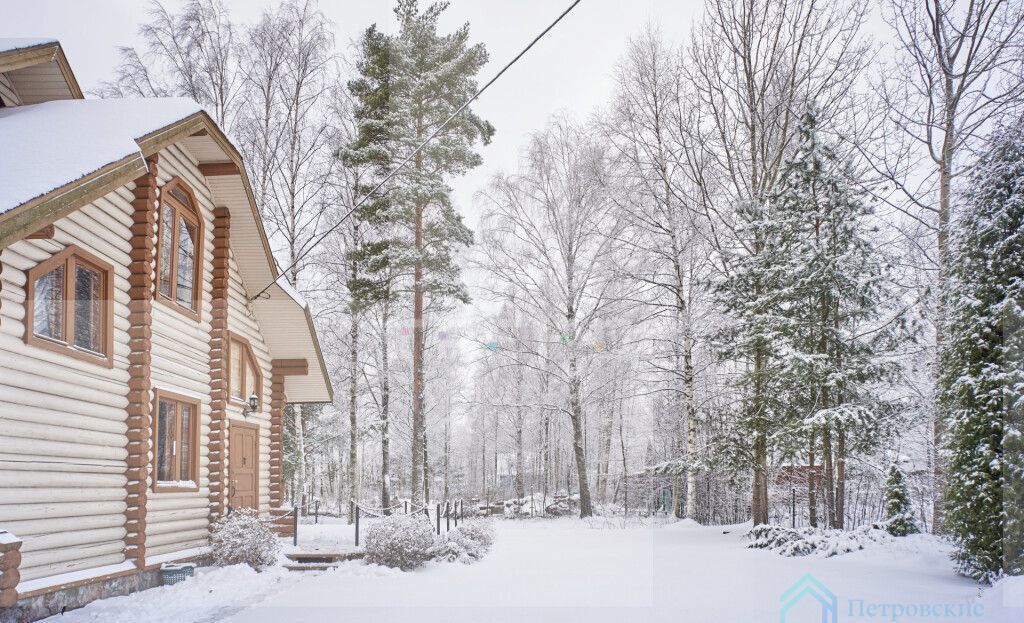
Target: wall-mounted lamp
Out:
[254,403]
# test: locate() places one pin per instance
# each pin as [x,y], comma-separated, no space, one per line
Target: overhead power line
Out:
[419,148]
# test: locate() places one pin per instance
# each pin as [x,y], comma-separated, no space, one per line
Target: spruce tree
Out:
[899,515]
[806,294]
[409,84]
[982,381]
[831,296]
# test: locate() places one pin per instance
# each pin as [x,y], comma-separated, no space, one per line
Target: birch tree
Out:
[551,237]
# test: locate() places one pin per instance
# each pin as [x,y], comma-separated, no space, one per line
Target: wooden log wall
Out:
[182,359]
[10,559]
[140,315]
[218,361]
[63,421]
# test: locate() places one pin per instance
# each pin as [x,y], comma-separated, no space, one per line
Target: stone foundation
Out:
[30,609]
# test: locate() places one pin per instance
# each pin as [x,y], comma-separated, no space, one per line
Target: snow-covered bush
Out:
[241,538]
[401,541]
[562,507]
[813,541]
[517,509]
[524,508]
[467,543]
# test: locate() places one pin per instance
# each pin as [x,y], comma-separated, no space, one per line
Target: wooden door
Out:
[243,465]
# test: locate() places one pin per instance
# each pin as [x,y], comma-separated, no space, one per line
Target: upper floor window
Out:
[69,300]
[179,248]
[244,378]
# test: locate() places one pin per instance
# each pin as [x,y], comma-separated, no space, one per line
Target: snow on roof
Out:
[51,144]
[282,283]
[16,43]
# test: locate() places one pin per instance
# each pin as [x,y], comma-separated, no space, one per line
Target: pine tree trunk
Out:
[759,503]
[828,467]
[426,477]
[353,403]
[841,479]
[419,441]
[385,406]
[812,494]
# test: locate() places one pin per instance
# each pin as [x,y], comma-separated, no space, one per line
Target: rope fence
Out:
[451,510]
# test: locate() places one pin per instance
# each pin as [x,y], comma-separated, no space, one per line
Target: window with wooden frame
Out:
[69,306]
[179,248]
[244,377]
[175,442]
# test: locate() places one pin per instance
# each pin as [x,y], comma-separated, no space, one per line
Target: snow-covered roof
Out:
[291,292]
[49,145]
[8,44]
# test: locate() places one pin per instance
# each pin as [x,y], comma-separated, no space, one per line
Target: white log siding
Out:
[62,420]
[8,94]
[176,521]
[243,323]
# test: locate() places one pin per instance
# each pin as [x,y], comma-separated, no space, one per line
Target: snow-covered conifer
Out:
[982,380]
[899,515]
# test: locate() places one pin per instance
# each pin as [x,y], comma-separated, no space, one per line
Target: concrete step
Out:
[324,557]
[311,567]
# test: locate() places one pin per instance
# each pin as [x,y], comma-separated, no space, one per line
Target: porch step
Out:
[311,567]
[320,561]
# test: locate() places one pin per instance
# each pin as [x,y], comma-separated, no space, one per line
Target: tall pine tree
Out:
[410,83]
[982,382]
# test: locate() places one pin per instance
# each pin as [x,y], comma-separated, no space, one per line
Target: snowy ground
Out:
[567,571]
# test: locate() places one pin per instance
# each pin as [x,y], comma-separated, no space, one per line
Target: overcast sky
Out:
[568,71]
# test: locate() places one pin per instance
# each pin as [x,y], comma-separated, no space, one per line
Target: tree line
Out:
[752,282]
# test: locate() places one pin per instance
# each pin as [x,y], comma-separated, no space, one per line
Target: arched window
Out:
[244,377]
[69,300]
[179,248]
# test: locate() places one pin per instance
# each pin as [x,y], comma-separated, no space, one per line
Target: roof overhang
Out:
[17,55]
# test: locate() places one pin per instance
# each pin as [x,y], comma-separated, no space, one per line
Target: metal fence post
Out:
[295,527]
[357,525]
[438,512]
[793,511]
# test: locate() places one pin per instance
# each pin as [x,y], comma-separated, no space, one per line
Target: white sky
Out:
[569,71]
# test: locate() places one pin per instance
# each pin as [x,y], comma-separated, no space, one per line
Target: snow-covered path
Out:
[569,571]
